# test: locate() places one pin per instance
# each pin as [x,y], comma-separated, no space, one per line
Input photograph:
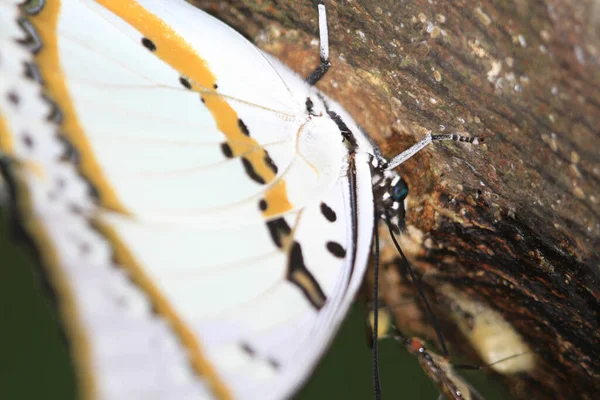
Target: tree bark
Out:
[513,223]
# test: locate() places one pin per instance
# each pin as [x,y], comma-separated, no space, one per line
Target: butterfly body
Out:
[204,214]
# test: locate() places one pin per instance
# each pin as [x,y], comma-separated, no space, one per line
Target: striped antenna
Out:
[324,65]
[421,144]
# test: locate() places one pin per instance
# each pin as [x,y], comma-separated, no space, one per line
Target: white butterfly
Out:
[205,215]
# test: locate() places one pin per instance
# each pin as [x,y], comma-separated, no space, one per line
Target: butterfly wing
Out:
[204,236]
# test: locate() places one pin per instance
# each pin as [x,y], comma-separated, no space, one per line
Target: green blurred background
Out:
[34,361]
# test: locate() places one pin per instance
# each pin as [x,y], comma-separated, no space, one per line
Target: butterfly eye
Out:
[400,190]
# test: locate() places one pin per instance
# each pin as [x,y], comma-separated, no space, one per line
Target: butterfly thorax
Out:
[389,189]
[389,192]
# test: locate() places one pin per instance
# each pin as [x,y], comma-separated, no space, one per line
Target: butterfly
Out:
[204,214]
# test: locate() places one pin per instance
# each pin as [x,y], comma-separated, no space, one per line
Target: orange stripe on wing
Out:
[170,47]
[6,139]
[46,24]
[200,363]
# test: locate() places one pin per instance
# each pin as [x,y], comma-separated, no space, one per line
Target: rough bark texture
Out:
[514,223]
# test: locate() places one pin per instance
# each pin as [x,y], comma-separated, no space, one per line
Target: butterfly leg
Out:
[323,67]
[375,347]
[429,138]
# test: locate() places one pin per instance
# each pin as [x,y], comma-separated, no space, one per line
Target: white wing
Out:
[232,231]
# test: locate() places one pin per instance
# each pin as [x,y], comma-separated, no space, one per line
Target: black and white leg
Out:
[323,67]
[429,138]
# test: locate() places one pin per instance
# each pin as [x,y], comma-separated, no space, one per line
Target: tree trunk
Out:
[514,223]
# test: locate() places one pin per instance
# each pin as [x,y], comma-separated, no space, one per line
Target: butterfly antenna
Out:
[324,64]
[376,383]
[429,138]
[417,283]
[476,367]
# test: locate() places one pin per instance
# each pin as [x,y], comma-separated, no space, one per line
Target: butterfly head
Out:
[390,192]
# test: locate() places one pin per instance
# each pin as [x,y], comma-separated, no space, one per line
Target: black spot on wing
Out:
[31,40]
[243,127]
[270,163]
[32,7]
[328,213]
[149,44]
[61,183]
[69,152]
[252,353]
[301,277]
[76,209]
[27,140]
[278,228]
[84,248]
[14,98]
[32,72]
[93,192]
[309,105]
[55,115]
[336,249]
[251,172]
[226,149]
[262,205]
[185,83]
[248,349]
